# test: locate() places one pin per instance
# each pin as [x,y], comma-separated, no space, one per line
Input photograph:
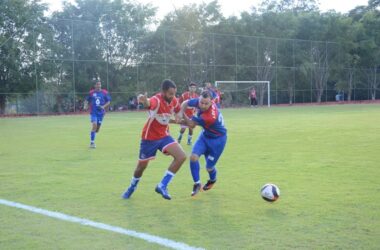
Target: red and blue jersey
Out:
[210,120]
[97,99]
[160,112]
[187,96]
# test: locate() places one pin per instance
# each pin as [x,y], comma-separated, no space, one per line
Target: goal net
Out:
[236,93]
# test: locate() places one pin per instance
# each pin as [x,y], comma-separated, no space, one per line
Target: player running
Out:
[211,141]
[189,112]
[155,136]
[98,99]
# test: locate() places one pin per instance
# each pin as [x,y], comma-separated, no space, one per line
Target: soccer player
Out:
[252,97]
[211,141]
[215,93]
[155,136]
[189,112]
[98,99]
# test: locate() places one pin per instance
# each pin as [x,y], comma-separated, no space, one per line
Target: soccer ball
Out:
[270,192]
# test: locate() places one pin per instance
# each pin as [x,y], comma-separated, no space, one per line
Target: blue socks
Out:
[167,178]
[194,167]
[134,181]
[93,136]
[212,173]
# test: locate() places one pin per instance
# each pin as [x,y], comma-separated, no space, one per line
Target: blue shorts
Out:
[148,148]
[98,118]
[211,148]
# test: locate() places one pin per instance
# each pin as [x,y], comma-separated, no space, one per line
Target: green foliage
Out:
[290,43]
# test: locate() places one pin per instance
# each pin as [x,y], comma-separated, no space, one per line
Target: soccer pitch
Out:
[325,160]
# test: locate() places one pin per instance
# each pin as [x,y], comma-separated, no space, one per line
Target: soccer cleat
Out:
[196,189]
[189,143]
[208,185]
[92,145]
[163,191]
[127,194]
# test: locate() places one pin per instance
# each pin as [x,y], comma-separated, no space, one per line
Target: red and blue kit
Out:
[189,112]
[155,135]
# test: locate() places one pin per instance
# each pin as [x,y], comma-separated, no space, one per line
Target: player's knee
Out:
[194,157]
[210,169]
[182,158]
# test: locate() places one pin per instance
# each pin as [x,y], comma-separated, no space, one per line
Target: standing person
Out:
[98,100]
[155,136]
[189,112]
[252,97]
[211,141]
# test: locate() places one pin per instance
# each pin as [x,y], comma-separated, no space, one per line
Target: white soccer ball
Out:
[270,192]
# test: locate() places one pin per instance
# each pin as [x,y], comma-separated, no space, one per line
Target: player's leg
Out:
[183,128]
[93,130]
[148,151]
[215,150]
[99,122]
[190,136]
[198,150]
[170,147]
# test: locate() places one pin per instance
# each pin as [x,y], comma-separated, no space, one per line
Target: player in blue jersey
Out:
[98,100]
[211,141]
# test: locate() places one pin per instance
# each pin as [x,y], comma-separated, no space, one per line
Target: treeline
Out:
[48,61]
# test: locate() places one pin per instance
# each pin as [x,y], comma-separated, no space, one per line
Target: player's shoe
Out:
[189,142]
[179,139]
[208,185]
[163,191]
[196,189]
[92,145]
[129,192]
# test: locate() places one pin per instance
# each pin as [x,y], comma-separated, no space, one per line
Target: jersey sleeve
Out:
[107,96]
[153,103]
[177,106]
[193,102]
[198,120]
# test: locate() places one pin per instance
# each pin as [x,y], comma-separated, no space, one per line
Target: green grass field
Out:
[325,160]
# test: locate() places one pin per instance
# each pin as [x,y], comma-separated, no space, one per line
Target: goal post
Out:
[243,86]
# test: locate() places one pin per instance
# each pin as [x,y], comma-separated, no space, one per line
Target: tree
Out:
[19,23]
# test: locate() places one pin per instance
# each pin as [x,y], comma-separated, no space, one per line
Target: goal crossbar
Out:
[265,82]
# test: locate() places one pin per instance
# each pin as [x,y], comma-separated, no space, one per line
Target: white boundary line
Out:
[144,236]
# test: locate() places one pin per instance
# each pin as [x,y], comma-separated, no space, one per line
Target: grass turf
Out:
[325,160]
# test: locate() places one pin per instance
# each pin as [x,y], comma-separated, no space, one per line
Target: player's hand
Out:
[142,98]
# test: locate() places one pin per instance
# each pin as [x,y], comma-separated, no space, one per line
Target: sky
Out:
[228,7]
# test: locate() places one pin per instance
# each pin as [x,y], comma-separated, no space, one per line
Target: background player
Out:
[215,93]
[211,141]
[155,136]
[189,112]
[98,99]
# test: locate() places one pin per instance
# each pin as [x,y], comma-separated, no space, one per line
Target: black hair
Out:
[192,84]
[206,94]
[167,84]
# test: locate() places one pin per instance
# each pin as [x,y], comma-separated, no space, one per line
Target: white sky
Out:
[229,7]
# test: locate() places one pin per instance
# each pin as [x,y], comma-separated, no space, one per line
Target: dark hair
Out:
[168,84]
[206,94]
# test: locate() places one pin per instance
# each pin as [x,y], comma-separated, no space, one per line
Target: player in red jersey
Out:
[189,112]
[155,136]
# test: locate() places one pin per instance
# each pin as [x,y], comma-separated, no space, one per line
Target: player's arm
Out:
[144,100]
[188,122]
[106,105]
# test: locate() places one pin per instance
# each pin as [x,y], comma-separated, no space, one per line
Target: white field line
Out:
[144,236]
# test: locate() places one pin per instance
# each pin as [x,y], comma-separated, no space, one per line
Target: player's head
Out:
[168,89]
[98,85]
[205,100]
[208,85]
[192,87]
